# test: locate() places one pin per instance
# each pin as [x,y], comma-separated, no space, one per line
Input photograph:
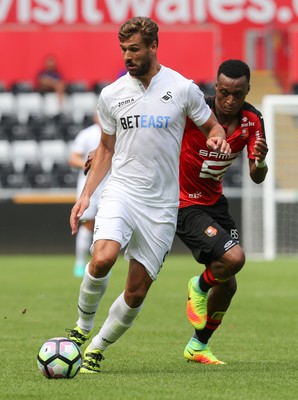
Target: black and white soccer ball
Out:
[59,358]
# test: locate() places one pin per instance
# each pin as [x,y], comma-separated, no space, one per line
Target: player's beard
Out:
[142,69]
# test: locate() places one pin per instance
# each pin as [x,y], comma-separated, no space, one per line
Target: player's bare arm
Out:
[258,167]
[88,162]
[216,136]
[100,166]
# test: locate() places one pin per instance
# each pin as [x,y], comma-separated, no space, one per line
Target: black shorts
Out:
[208,231]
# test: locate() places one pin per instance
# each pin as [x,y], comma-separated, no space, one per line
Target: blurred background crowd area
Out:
[57,58]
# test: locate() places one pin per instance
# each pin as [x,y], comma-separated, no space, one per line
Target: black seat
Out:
[68,128]
[7,123]
[37,178]
[21,131]
[88,120]
[98,86]
[76,87]
[2,87]
[22,87]
[233,176]
[295,88]
[10,179]
[207,88]
[65,176]
[50,128]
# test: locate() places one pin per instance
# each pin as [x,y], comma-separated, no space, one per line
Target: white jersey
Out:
[88,139]
[149,125]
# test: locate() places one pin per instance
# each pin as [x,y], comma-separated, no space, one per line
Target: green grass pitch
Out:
[258,337]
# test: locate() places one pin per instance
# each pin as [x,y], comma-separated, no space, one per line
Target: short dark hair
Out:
[234,69]
[143,25]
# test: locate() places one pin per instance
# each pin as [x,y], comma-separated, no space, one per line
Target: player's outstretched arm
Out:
[258,167]
[216,136]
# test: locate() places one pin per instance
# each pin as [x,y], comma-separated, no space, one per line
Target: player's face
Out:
[137,57]
[230,94]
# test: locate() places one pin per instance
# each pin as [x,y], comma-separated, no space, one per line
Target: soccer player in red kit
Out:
[204,223]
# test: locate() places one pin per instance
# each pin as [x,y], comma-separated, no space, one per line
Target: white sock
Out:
[91,292]
[120,318]
[83,243]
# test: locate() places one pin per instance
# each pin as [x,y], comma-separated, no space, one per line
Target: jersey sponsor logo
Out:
[211,231]
[244,134]
[124,102]
[145,121]
[196,195]
[244,125]
[218,156]
[167,98]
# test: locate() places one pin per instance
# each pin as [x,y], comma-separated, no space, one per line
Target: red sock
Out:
[212,324]
[207,280]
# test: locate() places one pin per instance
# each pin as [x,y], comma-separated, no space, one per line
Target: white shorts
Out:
[147,231]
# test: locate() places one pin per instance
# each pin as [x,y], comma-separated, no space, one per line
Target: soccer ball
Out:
[58,358]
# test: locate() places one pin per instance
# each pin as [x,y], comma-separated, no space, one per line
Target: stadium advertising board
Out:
[82,33]
[49,12]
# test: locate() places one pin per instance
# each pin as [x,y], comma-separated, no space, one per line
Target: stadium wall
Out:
[31,228]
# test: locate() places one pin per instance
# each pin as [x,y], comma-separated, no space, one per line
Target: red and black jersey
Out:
[201,169]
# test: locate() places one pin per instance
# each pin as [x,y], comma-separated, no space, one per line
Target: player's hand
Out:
[260,149]
[77,211]
[219,145]
[89,162]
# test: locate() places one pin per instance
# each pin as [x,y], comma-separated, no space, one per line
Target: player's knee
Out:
[235,259]
[101,264]
[103,260]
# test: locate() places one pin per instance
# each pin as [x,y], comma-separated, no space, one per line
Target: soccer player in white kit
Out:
[142,115]
[85,141]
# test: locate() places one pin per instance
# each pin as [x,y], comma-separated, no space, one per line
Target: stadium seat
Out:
[22,152]
[98,86]
[233,176]
[7,104]
[88,120]
[28,104]
[6,168]
[5,152]
[65,176]
[9,177]
[35,124]
[22,87]
[68,128]
[207,88]
[52,106]
[47,128]
[13,180]
[76,87]
[37,178]
[7,123]
[295,88]
[2,87]
[21,131]
[82,104]
[51,152]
